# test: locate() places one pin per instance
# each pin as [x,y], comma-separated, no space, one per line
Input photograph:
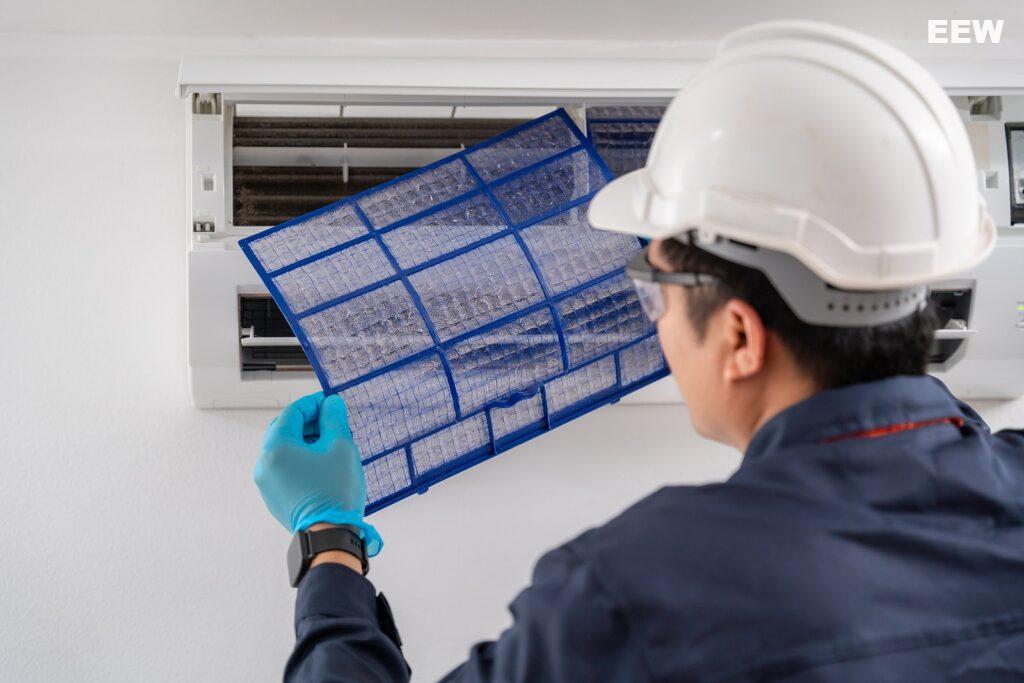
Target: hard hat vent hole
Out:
[831,307]
[846,307]
[744,245]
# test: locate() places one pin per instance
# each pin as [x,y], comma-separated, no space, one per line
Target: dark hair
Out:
[831,356]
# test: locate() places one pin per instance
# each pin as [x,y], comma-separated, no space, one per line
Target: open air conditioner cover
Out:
[465,307]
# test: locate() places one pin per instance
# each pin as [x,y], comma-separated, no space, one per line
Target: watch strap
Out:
[338,538]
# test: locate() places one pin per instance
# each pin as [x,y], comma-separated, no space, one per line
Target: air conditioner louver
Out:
[275,131]
[289,166]
[268,195]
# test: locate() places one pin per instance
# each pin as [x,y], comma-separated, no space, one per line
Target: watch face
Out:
[296,558]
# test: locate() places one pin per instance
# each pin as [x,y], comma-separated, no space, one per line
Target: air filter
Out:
[465,307]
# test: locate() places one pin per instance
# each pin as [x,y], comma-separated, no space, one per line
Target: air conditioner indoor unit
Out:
[269,139]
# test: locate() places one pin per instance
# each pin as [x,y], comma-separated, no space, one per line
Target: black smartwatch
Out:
[308,544]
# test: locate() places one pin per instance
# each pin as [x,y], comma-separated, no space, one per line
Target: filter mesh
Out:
[357,336]
[518,416]
[464,307]
[601,318]
[387,475]
[506,359]
[465,223]
[334,276]
[570,253]
[622,135]
[289,243]
[478,287]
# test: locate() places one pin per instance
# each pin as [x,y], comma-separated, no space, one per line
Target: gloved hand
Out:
[309,470]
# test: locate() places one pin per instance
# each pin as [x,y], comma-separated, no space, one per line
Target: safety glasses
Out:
[648,282]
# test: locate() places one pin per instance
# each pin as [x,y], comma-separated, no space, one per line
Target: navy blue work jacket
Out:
[872,533]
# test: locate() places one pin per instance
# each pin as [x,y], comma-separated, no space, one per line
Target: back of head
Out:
[830,356]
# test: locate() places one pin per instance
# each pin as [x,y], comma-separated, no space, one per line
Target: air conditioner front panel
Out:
[433,81]
[281,181]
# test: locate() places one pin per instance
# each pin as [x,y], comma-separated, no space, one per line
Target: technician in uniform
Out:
[802,192]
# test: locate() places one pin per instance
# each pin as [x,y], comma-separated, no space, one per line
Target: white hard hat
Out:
[825,158]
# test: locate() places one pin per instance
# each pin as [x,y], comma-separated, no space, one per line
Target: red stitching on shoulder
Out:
[895,429]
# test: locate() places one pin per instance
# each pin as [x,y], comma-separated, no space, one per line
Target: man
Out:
[802,192]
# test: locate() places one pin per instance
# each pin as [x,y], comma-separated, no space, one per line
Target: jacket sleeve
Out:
[566,628]
[338,636]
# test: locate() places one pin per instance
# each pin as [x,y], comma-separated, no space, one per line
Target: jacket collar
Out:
[837,413]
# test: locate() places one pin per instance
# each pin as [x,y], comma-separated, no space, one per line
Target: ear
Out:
[746,337]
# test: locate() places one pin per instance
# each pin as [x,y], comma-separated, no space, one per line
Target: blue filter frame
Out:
[465,307]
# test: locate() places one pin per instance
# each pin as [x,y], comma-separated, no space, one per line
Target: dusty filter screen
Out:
[465,307]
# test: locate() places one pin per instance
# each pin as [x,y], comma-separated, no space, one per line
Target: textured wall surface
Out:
[134,545]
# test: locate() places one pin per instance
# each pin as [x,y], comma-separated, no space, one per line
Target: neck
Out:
[783,388]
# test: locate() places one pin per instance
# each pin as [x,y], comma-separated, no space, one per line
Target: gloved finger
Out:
[374,543]
[292,420]
[311,430]
[334,419]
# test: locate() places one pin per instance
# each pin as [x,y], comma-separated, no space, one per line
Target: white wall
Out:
[133,544]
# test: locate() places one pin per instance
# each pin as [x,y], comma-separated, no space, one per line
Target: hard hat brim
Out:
[616,208]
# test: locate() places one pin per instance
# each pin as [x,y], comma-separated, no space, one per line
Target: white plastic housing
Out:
[991,364]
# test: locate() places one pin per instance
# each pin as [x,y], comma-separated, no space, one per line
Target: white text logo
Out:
[965,30]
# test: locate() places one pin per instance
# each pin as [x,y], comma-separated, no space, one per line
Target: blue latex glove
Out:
[309,470]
